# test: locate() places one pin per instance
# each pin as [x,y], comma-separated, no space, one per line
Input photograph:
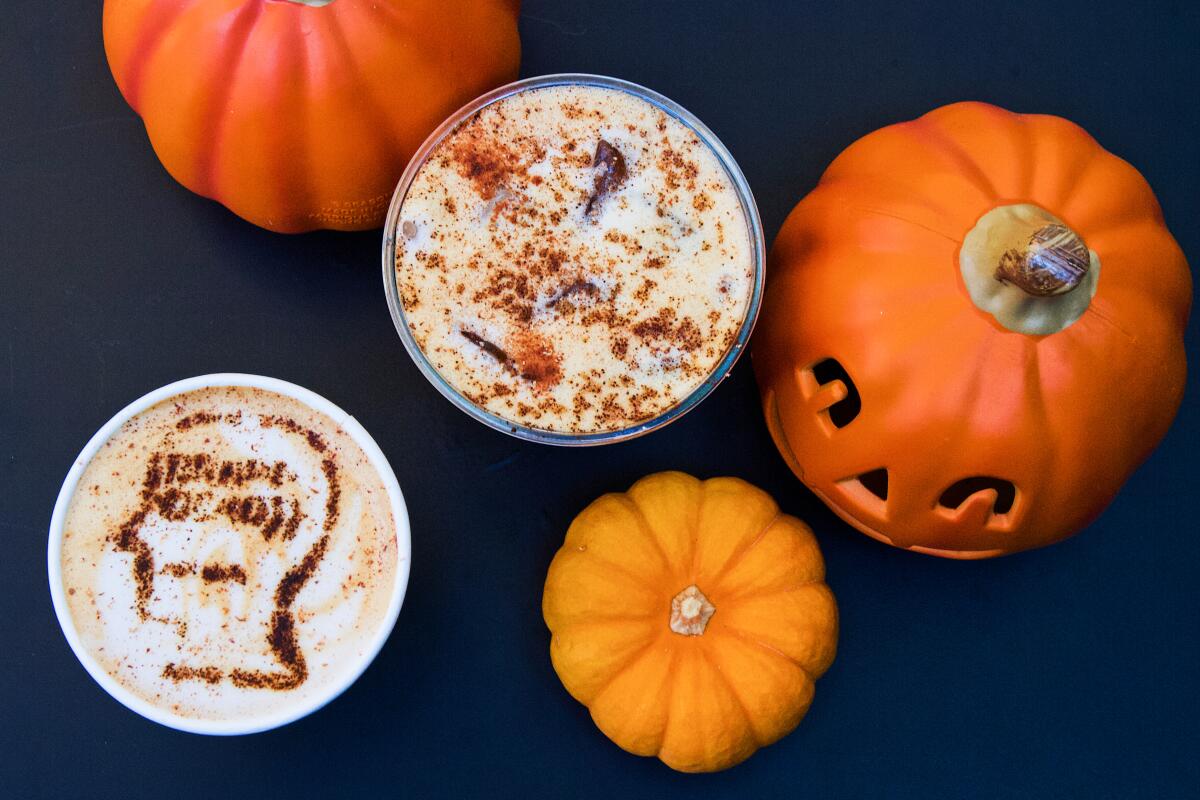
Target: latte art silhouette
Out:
[183,487]
[227,552]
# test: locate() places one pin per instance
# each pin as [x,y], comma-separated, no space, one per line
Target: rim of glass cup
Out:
[259,722]
[541,435]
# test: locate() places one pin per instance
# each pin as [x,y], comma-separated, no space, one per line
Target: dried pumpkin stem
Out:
[1028,269]
[690,612]
[1053,261]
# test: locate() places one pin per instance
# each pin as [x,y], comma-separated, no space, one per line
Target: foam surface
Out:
[574,258]
[228,553]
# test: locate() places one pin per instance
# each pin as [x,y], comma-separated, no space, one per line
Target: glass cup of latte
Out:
[573,260]
[228,554]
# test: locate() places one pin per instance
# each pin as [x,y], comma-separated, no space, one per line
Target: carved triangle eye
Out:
[867,492]
[829,373]
[875,482]
[959,491]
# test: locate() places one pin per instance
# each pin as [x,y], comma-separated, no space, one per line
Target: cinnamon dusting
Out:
[561,200]
[160,494]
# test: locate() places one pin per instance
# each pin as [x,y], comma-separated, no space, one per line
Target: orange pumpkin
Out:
[691,618]
[301,114]
[973,331]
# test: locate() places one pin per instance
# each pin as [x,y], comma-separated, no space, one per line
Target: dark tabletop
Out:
[1066,672]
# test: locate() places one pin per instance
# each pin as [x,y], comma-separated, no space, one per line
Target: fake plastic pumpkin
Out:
[691,618]
[973,331]
[301,114]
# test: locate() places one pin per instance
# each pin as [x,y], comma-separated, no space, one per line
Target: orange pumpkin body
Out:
[301,114]
[691,618]
[971,439]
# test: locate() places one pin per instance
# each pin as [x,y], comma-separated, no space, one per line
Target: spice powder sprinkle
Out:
[574,259]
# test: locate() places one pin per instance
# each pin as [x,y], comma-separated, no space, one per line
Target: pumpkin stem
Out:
[1028,269]
[690,612]
[1053,261]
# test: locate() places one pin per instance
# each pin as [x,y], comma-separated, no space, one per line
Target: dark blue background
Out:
[1068,672]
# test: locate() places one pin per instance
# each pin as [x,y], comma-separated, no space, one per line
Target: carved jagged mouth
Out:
[785,450]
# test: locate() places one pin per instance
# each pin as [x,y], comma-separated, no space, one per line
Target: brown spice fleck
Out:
[684,334]
[218,573]
[487,162]
[177,672]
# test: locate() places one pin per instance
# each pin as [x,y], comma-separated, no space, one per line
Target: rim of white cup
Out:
[260,722]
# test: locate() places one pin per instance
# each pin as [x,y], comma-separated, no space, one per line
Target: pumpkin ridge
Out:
[637,582]
[737,699]
[206,157]
[380,120]
[1074,177]
[759,594]
[969,167]
[1027,162]
[1095,308]
[667,709]
[843,185]
[402,27]
[633,658]
[745,637]
[300,179]
[1036,389]
[735,558]
[901,218]
[694,567]
[603,619]
[1067,174]
[147,42]
[390,14]
[1035,399]
[644,524]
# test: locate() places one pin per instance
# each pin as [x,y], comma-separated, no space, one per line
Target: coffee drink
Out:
[574,258]
[229,553]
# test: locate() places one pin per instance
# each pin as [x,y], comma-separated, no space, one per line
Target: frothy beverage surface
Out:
[574,259]
[228,553]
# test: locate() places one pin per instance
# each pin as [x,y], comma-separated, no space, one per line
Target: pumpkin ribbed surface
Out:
[718,560]
[299,116]
[973,331]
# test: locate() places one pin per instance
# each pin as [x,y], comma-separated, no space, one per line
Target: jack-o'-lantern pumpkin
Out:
[973,331]
[301,114]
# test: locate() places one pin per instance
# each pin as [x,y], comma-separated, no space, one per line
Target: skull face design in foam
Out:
[222,544]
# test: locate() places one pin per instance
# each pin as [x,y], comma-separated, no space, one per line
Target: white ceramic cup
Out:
[257,723]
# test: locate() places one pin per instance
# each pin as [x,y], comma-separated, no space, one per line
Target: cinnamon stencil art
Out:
[194,500]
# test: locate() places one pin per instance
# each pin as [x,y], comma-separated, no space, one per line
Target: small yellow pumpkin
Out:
[691,618]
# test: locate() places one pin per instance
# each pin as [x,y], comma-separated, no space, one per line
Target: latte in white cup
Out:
[228,554]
